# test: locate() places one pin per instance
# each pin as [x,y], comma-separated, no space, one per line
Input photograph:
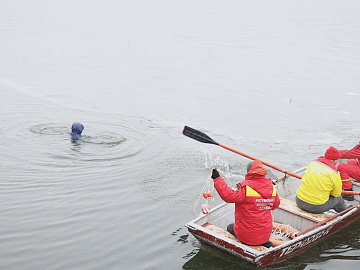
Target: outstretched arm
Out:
[352,153]
[227,193]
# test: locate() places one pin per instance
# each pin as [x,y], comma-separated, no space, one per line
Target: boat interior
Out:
[288,219]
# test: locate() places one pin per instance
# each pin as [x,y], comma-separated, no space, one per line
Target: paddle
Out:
[202,137]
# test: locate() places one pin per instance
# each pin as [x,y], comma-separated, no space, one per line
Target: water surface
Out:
[278,81]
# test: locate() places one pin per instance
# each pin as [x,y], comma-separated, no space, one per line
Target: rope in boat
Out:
[208,191]
[283,232]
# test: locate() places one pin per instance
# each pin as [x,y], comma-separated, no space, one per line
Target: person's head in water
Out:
[76,130]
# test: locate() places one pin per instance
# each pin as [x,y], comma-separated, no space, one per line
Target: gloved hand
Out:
[215,174]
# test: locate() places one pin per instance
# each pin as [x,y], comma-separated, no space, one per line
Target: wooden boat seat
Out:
[229,235]
[291,206]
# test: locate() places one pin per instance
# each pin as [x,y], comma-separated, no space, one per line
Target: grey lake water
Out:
[278,80]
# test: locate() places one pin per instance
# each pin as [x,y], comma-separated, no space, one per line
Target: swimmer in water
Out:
[76,130]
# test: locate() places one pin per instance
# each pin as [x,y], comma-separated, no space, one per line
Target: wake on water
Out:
[60,129]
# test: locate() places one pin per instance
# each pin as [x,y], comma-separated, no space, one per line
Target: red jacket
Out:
[352,153]
[254,200]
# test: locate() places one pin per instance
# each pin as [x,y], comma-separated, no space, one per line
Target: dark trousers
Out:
[336,203]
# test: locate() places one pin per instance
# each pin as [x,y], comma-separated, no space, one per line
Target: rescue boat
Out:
[299,230]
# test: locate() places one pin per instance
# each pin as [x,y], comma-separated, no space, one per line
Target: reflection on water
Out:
[76,144]
[213,259]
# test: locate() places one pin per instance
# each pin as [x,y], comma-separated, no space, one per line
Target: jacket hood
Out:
[256,176]
[77,128]
[256,168]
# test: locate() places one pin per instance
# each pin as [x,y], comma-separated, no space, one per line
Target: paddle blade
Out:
[198,135]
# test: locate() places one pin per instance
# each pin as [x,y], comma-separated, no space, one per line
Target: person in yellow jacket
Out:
[321,185]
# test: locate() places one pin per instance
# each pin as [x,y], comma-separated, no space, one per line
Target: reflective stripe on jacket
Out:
[261,203]
[318,183]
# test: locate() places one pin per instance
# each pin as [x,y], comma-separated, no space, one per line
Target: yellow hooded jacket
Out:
[318,183]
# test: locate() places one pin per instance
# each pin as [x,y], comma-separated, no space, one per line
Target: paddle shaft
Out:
[263,162]
[279,169]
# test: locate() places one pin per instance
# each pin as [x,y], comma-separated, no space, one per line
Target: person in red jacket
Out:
[254,199]
[350,169]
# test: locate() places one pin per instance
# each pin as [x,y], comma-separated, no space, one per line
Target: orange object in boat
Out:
[205,208]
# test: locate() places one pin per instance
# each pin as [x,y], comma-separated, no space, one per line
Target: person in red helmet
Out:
[350,169]
[321,185]
[254,199]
